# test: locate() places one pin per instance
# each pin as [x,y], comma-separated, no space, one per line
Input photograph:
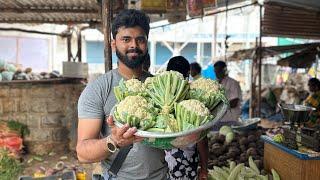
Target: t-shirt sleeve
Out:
[90,104]
[235,90]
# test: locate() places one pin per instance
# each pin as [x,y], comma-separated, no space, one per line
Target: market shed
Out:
[49,106]
[53,11]
[301,55]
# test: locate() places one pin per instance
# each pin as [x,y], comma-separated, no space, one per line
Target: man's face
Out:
[131,47]
[193,72]
[220,72]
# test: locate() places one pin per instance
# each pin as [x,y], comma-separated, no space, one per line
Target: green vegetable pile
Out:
[279,138]
[167,102]
[10,168]
[240,171]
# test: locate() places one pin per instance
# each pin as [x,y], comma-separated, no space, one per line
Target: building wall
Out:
[49,111]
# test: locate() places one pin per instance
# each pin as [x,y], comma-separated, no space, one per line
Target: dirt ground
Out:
[67,161]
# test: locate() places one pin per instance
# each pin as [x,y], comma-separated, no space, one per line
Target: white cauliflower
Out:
[208,91]
[191,113]
[196,106]
[207,85]
[136,111]
[130,87]
[134,105]
[134,85]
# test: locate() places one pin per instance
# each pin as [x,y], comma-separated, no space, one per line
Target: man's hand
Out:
[203,174]
[123,136]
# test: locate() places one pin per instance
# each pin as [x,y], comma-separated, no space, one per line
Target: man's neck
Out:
[129,73]
[221,79]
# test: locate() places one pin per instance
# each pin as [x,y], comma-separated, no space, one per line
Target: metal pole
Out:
[106,25]
[79,46]
[214,42]
[69,47]
[260,63]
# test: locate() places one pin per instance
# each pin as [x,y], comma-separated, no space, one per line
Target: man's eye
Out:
[141,40]
[125,39]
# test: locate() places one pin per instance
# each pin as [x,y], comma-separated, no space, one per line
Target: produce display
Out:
[129,88]
[235,146]
[239,171]
[207,91]
[9,72]
[166,103]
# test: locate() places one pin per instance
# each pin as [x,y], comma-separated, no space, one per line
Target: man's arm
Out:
[92,149]
[89,147]
[203,153]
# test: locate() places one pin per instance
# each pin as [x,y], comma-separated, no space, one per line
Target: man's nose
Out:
[133,43]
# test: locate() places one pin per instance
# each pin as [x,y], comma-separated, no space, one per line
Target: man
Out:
[313,100]
[98,141]
[233,93]
[183,163]
[195,70]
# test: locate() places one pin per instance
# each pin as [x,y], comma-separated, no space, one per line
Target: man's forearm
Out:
[203,152]
[92,150]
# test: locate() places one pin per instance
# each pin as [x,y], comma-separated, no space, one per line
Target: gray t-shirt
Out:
[96,102]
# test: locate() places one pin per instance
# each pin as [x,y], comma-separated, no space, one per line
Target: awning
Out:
[285,19]
[303,54]
[302,59]
[53,11]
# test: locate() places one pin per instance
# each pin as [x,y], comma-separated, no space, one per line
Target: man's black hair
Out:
[196,67]
[314,81]
[220,64]
[130,18]
[180,64]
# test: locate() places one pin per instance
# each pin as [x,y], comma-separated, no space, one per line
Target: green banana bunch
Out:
[166,89]
[208,91]
[191,113]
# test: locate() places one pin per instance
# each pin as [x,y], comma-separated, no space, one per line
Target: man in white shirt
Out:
[233,92]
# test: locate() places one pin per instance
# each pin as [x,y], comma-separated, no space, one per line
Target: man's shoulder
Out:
[231,80]
[103,78]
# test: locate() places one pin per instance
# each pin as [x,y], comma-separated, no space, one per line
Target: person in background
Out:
[195,70]
[233,93]
[183,163]
[100,139]
[313,100]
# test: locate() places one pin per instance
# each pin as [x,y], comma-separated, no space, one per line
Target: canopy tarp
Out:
[303,54]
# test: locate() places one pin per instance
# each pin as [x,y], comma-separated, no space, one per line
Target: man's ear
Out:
[113,45]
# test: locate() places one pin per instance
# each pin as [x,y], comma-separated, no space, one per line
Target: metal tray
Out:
[179,139]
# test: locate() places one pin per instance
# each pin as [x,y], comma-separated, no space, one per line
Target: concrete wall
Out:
[49,110]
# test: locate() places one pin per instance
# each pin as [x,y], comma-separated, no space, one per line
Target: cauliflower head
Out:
[130,87]
[136,111]
[167,88]
[196,106]
[191,114]
[134,85]
[208,91]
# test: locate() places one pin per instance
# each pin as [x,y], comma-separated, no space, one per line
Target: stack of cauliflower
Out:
[167,102]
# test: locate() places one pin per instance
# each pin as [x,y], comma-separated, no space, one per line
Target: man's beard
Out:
[132,63]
